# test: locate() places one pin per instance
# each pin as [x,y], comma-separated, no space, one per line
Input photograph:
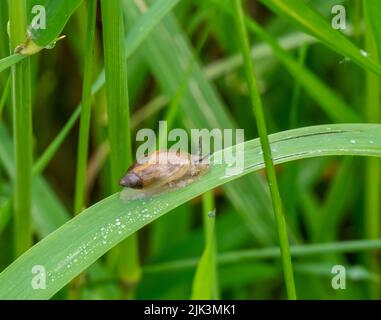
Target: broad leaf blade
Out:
[80,242]
[57,13]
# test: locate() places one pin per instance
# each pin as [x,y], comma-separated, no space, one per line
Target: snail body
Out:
[164,168]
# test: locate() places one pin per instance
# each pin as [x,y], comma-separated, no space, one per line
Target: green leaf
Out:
[5,95]
[57,13]
[95,231]
[119,133]
[10,60]
[147,22]
[272,181]
[203,280]
[22,132]
[246,255]
[373,11]
[299,13]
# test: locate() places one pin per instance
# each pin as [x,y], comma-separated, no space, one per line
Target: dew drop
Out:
[364,53]
[346,59]
[353,141]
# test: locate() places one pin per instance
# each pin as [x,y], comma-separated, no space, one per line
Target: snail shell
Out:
[164,168]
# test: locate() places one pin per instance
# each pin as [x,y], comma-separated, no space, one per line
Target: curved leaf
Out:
[57,13]
[9,61]
[95,231]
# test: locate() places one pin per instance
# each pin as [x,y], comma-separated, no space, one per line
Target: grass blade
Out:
[335,108]
[9,61]
[57,15]
[4,97]
[95,231]
[205,279]
[84,129]
[298,12]
[267,154]
[258,51]
[5,213]
[22,131]
[372,9]
[240,256]
[119,121]
[148,21]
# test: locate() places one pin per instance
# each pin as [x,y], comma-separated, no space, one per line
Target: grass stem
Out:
[5,94]
[239,256]
[262,131]
[22,130]
[205,285]
[372,165]
[119,126]
[84,128]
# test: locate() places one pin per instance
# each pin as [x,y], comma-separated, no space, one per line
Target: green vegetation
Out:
[307,96]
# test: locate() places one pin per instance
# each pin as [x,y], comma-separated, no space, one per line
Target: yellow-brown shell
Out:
[161,168]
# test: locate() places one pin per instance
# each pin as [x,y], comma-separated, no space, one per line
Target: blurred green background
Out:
[327,200]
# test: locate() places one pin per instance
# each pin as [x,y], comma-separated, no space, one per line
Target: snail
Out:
[162,170]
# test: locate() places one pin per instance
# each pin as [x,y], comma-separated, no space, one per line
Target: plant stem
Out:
[372,167]
[208,206]
[84,128]
[262,131]
[239,256]
[4,97]
[22,130]
[4,41]
[5,213]
[116,88]
[119,125]
[293,120]
[205,279]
